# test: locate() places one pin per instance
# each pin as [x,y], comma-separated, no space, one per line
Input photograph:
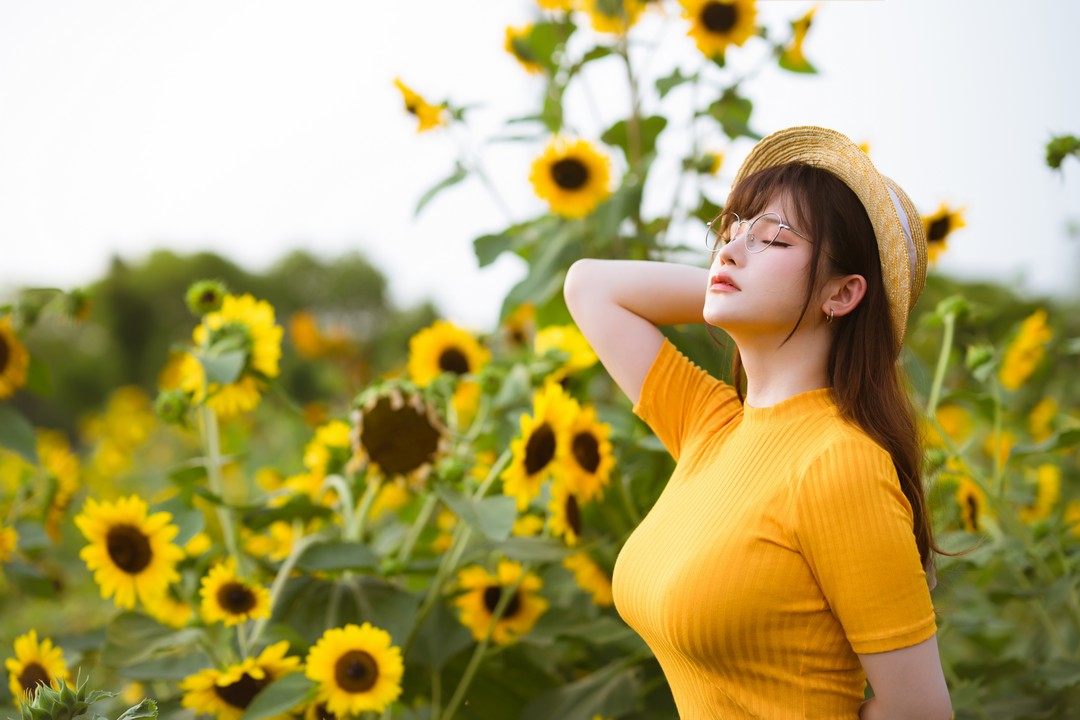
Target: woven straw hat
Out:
[900,236]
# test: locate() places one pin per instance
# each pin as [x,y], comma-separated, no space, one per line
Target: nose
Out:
[730,252]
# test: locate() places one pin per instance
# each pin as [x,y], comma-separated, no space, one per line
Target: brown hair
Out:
[865,378]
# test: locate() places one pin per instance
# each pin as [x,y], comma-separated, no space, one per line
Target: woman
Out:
[789,558]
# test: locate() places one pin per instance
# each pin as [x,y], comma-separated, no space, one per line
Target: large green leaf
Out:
[223,368]
[185,516]
[492,516]
[280,696]
[131,638]
[733,114]
[17,434]
[1059,441]
[440,638]
[533,549]
[610,691]
[38,378]
[547,268]
[454,178]
[173,667]
[648,130]
[666,84]
[30,580]
[147,708]
[337,556]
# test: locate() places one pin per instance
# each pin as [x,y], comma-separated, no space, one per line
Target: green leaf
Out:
[173,667]
[145,709]
[298,508]
[733,114]
[648,130]
[533,549]
[30,580]
[542,44]
[185,516]
[38,378]
[610,691]
[224,368]
[492,516]
[455,177]
[1061,147]
[17,434]
[280,696]
[489,247]
[797,64]
[665,85]
[439,639]
[337,556]
[133,637]
[1059,441]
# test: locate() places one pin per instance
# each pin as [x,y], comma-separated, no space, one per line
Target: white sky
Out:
[254,127]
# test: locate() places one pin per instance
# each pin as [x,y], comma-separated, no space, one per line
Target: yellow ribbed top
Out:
[781,546]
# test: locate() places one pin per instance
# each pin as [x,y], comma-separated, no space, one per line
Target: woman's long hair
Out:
[865,378]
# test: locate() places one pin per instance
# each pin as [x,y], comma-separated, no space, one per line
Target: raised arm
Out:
[618,305]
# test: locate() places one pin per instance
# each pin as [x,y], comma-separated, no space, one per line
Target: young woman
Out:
[789,558]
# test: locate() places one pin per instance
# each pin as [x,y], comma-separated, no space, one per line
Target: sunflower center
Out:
[5,353]
[569,173]
[972,512]
[411,108]
[356,671]
[323,713]
[128,548]
[938,230]
[243,691]
[32,676]
[540,450]
[398,440]
[718,17]
[573,514]
[586,451]
[209,298]
[453,360]
[492,595]
[236,598]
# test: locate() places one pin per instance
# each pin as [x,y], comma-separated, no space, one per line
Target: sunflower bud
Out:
[205,296]
[980,360]
[172,406]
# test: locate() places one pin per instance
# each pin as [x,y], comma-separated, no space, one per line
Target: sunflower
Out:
[445,522]
[130,553]
[205,296]
[357,669]
[517,44]
[1041,419]
[9,542]
[483,591]
[590,578]
[613,16]
[227,598]
[62,467]
[1047,493]
[715,24]
[589,460]
[792,58]
[390,498]
[1025,351]
[170,611]
[999,446]
[35,663]
[938,228]
[14,360]
[227,693]
[528,526]
[565,5]
[572,176]
[954,420]
[446,348]
[1072,518]
[568,340]
[399,435]
[541,450]
[319,711]
[429,116]
[330,450]
[520,325]
[564,517]
[275,543]
[972,502]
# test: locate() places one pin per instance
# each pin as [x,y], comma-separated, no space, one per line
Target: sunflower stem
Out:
[345,497]
[212,449]
[942,364]
[493,473]
[280,579]
[360,518]
[436,693]
[241,640]
[449,561]
[417,527]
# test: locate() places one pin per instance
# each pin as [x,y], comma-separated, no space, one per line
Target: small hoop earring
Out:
[831,314]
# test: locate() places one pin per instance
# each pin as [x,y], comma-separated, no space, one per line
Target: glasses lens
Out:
[720,229]
[762,232]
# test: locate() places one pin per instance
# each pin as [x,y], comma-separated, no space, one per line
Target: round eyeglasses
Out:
[760,232]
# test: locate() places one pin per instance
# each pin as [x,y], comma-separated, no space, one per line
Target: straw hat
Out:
[900,236]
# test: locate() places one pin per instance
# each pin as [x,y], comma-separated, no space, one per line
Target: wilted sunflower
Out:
[483,592]
[590,578]
[572,176]
[613,16]
[357,668]
[517,44]
[564,516]
[568,340]
[715,24]
[540,452]
[35,663]
[792,57]
[429,116]
[227,693]
[14,360]
[399,436]
[972,502]
[227,598]
[938,228]
[130,554]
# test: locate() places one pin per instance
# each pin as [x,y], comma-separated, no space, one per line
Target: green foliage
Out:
[1061,147]
[65,703]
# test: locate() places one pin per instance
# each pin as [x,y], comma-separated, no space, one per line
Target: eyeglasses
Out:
[760,233]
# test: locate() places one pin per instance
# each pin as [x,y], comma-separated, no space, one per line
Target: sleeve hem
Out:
[643,407]
[897,641]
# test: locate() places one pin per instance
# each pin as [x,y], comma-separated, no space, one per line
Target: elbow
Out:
[576,281]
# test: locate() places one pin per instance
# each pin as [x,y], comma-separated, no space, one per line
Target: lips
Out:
[724,280]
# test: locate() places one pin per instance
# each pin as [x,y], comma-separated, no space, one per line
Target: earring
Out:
[832,313]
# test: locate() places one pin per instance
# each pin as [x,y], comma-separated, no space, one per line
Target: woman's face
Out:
[760,294]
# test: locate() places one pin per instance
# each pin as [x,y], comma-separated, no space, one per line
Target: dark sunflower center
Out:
[209,298]
[938,230]
[236,598]
[540,450]
[569,173]
[411,107]
[243,691]
[356,671]
[398,440]
[573,514]
[128,548]
[32,676]
[972,512]
[719,17]
[586,451]
[323,713]
[453,360]
[5,353]
[492,595]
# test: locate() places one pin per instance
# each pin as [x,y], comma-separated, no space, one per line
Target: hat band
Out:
[912,256]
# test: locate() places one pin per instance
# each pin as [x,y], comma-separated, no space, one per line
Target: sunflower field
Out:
[273,513]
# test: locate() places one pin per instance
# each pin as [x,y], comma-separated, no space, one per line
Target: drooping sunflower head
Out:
[227,693]
[130,553]
[229,599]
[716,24]
[35,663]
[398,435]
[540,452]
[357,668]
[428,116]
[481,596]
[572,176]
[14,360]
[939,227]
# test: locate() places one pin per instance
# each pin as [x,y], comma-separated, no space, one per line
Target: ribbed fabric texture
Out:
[781,546]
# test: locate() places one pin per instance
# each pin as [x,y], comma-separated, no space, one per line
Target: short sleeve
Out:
[679,399]
[854,527]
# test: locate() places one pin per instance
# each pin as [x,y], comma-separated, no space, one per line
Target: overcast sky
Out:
[255,127]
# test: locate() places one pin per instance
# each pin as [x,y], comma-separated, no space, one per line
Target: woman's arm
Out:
[907,683]
[618,304]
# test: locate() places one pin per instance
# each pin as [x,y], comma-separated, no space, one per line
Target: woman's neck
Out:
[776,372]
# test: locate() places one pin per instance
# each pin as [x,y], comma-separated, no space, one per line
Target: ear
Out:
[843,294]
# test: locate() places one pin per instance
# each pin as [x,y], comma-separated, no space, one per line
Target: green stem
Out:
[436,693]
[417,527]
[359,521]
[345,498]
[212,451]
[280,579]
[999,476]
[449,561]
[493,474]
[942,364]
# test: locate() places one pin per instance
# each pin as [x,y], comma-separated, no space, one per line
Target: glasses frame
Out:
[752,246]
